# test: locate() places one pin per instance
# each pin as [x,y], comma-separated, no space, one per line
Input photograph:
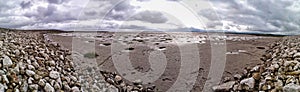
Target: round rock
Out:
[54,74]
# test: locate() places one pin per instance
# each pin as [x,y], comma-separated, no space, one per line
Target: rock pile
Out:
[280,71]
[29,63]
[118,82]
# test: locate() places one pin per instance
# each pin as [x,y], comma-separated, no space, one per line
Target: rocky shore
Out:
[278,72]
[31,64]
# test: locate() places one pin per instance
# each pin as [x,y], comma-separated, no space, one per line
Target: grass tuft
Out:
[90,55]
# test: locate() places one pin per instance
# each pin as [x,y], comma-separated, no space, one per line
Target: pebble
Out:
[54,74]
[25,60]
[137,82]
[118,78]
[42,82]
[224,87]
[7,62]
[49,88]
[33,87]
[75,89]
[30,73]
[2,87]
[250,82]
[30,67]
[291,88]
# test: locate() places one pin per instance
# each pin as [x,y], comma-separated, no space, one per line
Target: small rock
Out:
[2,88]
[291,88]
[52,63]
[137,82]
[42,82]
[24,87]
[17,52]
[75,89]
[237,76]
[66,86]
[5,79]
[35,64]
[61,57]
[250,82]
[54,74]
[118,78]
[30,67]
[256,76]
[6,61]
[73,78]
[57,86]
[33,87]
[48,88]
[30,73]
[296,55]
[224,87]
[30,80]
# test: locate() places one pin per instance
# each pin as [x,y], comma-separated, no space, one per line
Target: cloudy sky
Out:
[267,16]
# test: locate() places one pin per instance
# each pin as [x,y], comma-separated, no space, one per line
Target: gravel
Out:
[278,72]
[29,63]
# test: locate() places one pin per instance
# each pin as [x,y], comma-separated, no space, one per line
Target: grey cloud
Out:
[150,16]
[122,11]
[90,13]
[46,11]
[143,0]
[263,15]
[25,4]
[55,1]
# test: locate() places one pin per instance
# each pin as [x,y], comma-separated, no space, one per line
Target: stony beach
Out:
[31,64]
[47,61]
[99,74]
[279,71]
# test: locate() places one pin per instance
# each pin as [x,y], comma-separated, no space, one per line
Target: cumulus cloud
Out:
[55,1]
[26,4]
[150,16]
[257,15]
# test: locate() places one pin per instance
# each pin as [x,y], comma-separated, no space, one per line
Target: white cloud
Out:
[240,15]
[259,15]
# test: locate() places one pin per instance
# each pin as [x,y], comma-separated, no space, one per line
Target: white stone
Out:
[7,61]
[250,82]
[30,67]
[54,74]
[75,89]
[48,88]
[2,87]
[30,73]
[224,87]
[296,55]
[291,88]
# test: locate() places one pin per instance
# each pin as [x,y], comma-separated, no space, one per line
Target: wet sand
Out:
[242,51]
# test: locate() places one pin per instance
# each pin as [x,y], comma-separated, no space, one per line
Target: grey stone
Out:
[30,73]
[49,88]
[33,87]
[42,82]
[7,61]
[2,88]
[250,82]
[30,80]
[24,87]
[137,82]
[291,88]
[54,74]
[5,79]
[30,67]
[224,87]
[75,89]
